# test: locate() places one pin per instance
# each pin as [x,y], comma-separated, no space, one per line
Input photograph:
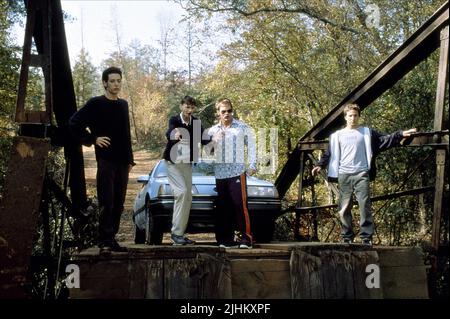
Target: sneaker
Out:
[181,240]
[116,247]
[105,250]
[347,241]
[188,241]
[229,245]
[367,242]
[245,246]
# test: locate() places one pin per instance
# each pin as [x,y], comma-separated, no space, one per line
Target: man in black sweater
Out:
[183,137]
[108,122]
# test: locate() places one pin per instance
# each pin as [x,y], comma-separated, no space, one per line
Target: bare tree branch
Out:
[233,7]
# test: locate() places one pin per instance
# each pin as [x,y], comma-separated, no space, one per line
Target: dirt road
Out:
[145,161]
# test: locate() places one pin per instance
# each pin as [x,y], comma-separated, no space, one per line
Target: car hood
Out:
[211,180]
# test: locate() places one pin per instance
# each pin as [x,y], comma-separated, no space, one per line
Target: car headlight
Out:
[262,191]
[165,189]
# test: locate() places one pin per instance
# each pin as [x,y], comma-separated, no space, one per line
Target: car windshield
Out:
[161,171]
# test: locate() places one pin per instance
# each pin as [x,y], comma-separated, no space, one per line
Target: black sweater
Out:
[105,117]
[175,122]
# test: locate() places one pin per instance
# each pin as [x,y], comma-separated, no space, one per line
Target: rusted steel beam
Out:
[38,26]
[415,49]
[45,24]
[415,191]
[297,234]
[312,145]
[434,138]
[438,123]
[64,106]
[19,211]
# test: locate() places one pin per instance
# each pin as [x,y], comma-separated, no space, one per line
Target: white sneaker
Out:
[228,246]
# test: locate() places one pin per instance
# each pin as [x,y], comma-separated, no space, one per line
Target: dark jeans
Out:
[112,179]
[232,210]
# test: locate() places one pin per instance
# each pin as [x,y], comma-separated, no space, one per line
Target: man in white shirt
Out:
[351,160]
[230,137]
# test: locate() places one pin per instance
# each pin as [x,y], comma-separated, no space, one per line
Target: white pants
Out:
[180,179]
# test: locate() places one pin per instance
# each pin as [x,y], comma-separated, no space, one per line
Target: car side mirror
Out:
[143,179]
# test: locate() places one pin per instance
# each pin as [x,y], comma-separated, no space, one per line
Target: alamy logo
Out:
[373,279]
[73,278]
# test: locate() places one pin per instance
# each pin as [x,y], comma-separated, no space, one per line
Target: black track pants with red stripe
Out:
[232,209]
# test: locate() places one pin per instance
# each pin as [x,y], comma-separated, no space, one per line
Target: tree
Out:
[288,63]
[86,80]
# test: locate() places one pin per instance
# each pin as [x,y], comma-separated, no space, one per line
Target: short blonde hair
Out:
[352,107]
[223,102]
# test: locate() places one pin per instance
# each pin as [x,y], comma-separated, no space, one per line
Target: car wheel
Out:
[139,235]
[156,235]
[263,229]
[153,233]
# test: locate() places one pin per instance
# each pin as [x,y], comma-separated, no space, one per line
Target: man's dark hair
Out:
[189,100]
[111,70]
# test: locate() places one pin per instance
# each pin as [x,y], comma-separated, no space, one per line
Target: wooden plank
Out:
[258,251]
[179,279]
[103,279]
[360,260]
[300,275]
[197,278]
[403,272]
[215,279]
[328,274]
[404,282]
[138,279]
[260,279]
[146,279]
[400,256]
[306,275]
[337,274]
[154,279]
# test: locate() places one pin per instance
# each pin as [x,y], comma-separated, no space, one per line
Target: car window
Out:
[197,172]
[161,170]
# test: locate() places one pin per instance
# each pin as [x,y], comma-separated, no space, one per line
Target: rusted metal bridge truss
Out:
[432,35]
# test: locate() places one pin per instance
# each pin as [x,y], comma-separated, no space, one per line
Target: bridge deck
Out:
[276,270]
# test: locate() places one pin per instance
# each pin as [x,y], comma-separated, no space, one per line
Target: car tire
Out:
[263,229]
[156,235]
[139,235]
[153,233]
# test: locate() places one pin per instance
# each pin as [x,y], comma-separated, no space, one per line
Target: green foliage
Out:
[10,13]
[288,63]
[86,80]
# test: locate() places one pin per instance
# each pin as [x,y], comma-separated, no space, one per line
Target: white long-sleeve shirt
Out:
[229,152]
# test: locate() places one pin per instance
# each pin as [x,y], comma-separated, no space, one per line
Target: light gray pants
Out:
[359,184]
[180,179]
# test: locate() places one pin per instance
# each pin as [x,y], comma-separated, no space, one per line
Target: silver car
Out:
[153,206]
